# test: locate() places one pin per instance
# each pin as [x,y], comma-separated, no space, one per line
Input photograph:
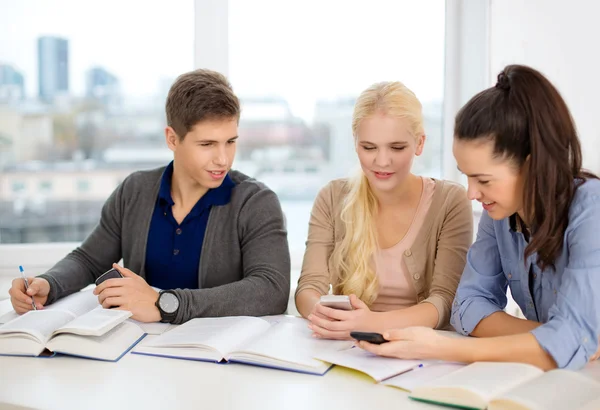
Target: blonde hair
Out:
[354,255]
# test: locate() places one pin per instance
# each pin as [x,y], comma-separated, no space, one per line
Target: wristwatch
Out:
[168,305]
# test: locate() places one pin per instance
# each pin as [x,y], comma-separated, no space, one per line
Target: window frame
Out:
[466,71]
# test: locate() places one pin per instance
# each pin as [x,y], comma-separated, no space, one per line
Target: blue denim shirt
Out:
[565,299]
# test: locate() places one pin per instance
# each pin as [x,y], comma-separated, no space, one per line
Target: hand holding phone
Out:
[371,337]
[109,274]
[341,302]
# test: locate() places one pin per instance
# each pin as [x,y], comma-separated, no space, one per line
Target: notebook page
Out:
[422,375]
[38,323]
[488,380]
[222,334]
[554,390]
[379,368]
[95,322]
[289,341]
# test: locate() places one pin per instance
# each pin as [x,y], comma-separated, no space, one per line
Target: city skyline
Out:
[301,65]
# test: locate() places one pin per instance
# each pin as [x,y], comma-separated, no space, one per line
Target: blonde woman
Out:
[394,241]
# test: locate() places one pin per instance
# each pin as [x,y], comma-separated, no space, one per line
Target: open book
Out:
[405,374]
[284,344]
[76,325]
[511,386]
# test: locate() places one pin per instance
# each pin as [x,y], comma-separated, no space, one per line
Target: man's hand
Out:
[132,293]
[21,300]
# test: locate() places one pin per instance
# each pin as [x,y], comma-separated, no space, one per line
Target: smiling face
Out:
[386,150]
[494,181]
[206,153]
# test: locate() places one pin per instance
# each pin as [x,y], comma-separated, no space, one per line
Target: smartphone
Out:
[375,338]
[109,274]
[341,302]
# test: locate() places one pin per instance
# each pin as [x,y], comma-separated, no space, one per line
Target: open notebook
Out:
[405,374]
[511,386]
[285,344]
[76,325]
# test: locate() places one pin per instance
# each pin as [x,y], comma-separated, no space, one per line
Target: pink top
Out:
[396,287]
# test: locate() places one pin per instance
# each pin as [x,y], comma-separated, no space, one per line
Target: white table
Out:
[143,382]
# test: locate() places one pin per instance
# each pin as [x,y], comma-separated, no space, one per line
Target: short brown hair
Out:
[197,96]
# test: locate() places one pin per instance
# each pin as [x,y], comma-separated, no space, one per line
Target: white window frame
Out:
[467,61]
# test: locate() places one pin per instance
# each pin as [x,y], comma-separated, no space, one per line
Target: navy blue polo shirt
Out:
[173,250]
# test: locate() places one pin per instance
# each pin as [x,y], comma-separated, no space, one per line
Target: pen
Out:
[27,286]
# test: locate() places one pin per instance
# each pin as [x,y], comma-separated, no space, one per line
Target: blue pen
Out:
[27,286]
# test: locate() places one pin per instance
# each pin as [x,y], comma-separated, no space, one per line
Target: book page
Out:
[422,375]
[109,346]
[222,334]
[487,380]
[37,323]
[96,322]
[288,341]
[592,370]
[554,390]
[153,328]
[378,367]
[78,303]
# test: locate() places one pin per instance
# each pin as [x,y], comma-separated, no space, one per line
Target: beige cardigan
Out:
[435,260]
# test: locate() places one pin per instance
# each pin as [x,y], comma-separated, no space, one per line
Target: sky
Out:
[301,50]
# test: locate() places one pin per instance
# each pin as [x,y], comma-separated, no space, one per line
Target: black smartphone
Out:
[375,338]
[109,274]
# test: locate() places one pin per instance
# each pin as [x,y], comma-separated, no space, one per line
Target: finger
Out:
[113,302]
[329,324]
[35,287]
[336,314]
[370,347]
[357,303]
[110,283]
[18,284]
[124,271]
[390,349]
[395,334]
[18,294]
[110,293]
[21,307]
[322,333]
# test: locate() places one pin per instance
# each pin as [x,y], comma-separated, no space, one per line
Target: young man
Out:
[212,238]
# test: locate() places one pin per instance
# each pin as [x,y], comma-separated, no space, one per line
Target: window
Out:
[45,187]
[18,186]
[83,185]
[298,70]
[81,104]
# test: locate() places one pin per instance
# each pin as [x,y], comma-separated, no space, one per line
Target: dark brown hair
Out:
[197,96]
[529,123]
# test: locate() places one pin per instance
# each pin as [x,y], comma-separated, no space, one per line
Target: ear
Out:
[420,144]
[171,138]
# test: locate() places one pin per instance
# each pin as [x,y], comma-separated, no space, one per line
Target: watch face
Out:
[168,302]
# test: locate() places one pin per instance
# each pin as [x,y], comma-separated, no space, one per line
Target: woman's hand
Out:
[328,323]
[410,343]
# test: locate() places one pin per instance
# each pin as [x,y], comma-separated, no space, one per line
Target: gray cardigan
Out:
[245,261]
